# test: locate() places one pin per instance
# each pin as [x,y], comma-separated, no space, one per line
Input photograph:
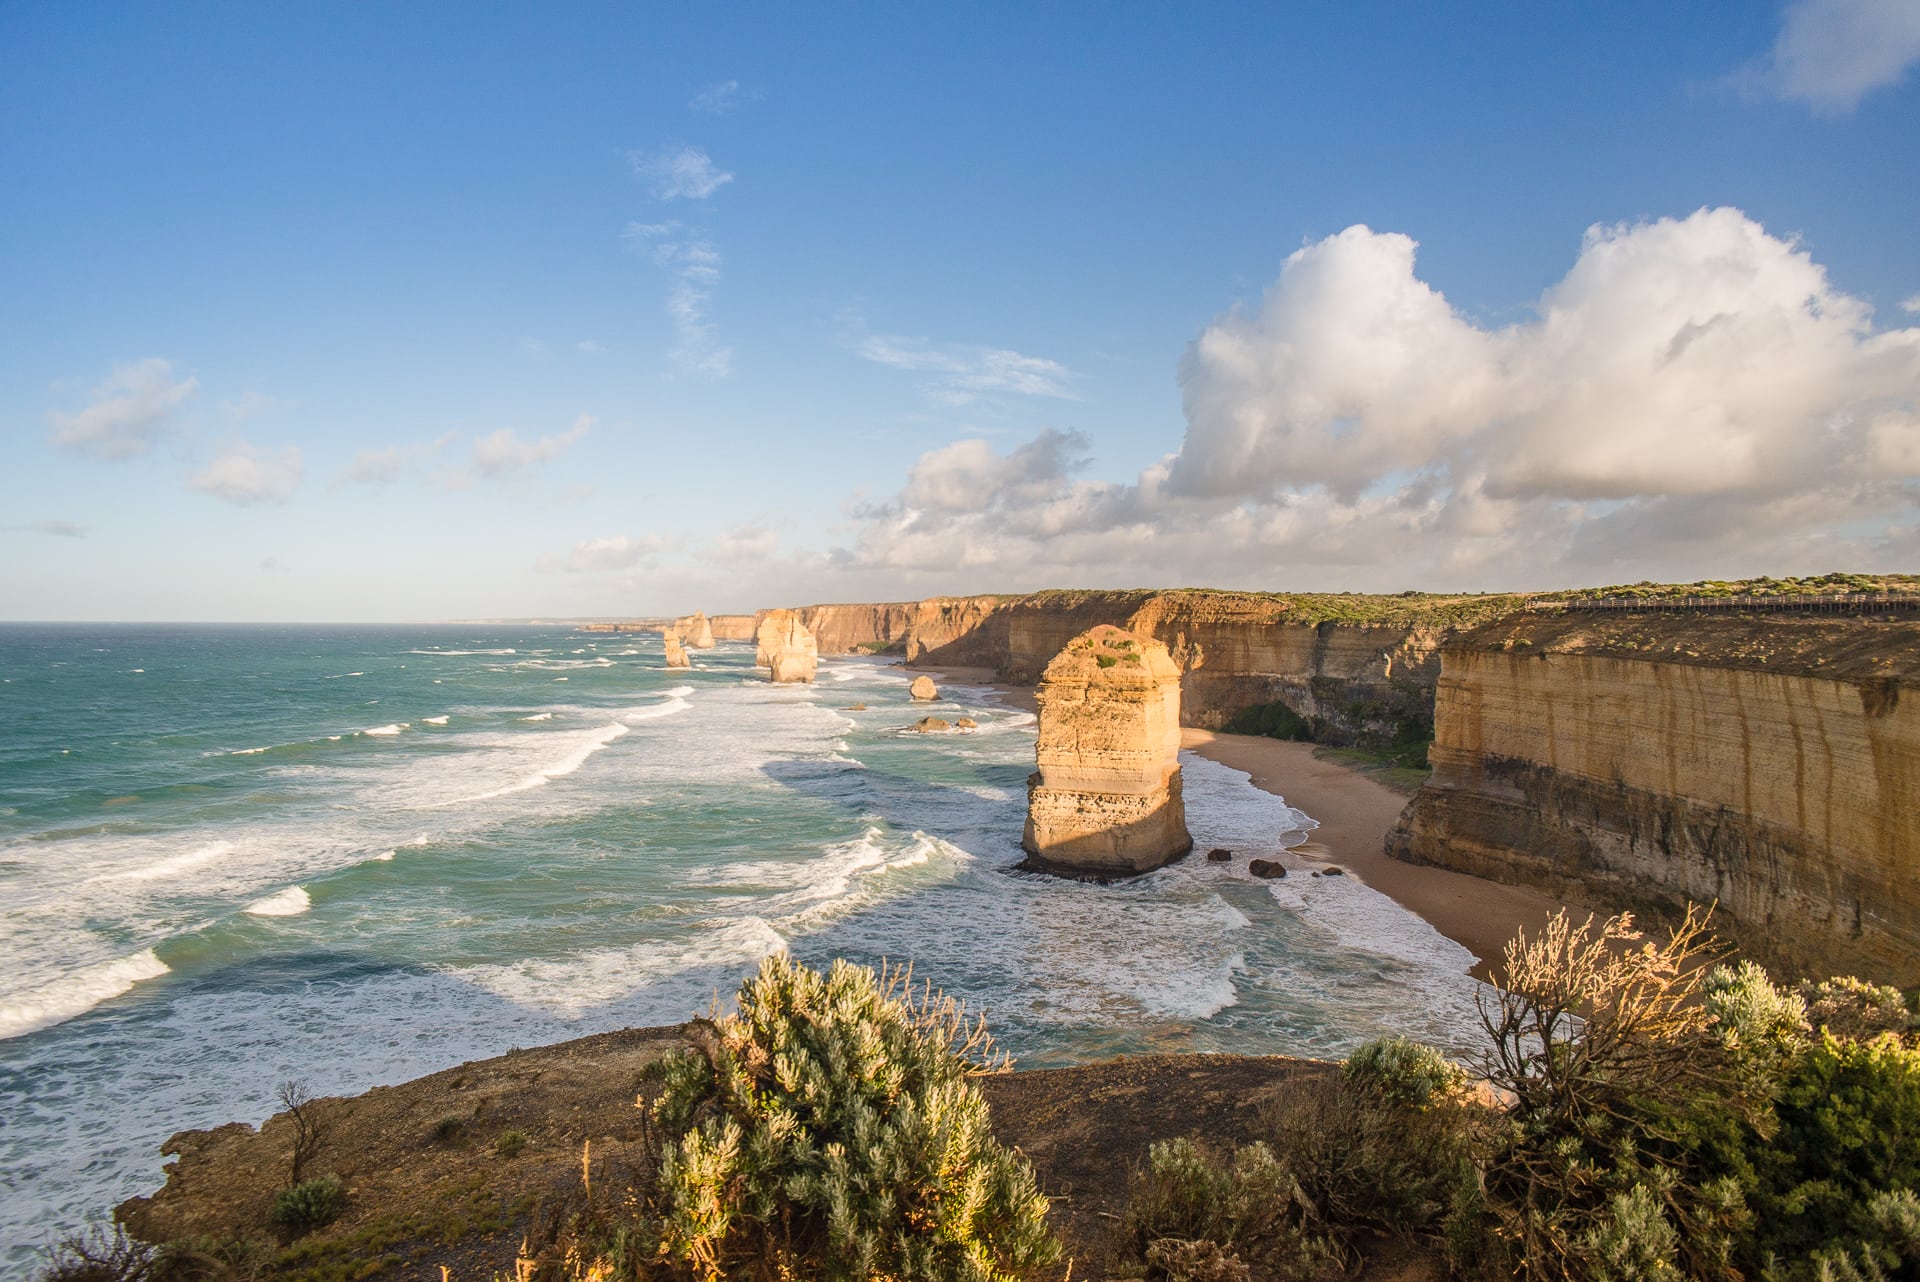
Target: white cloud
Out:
[678,173]
[962,372]
[604,555]
[1831,53]
[693,265]
[389,464]
[1694,397]
[125,411]
[1911,306]
[52,525]
[502,453]
[716,99]
[246,474]
[253,404]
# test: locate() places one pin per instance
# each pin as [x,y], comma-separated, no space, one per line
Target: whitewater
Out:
[233,857]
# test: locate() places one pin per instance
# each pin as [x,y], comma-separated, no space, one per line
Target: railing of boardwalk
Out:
[1827,603]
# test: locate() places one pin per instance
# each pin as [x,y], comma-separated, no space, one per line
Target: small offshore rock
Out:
[1332,870]
[1268,869]
[931,725]
[1219,855]
[923,689]
[966,723]
[856,707]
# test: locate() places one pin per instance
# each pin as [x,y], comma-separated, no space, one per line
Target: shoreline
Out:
[1354,812]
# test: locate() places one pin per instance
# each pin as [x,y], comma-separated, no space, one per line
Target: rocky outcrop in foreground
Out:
[1105,800]
[695,631]
[676,653]
[786,648]
[1769,764]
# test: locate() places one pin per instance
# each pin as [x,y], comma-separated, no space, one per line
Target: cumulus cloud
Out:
[1693,397]
[502,453]
[125,411]
[678,173]
[962,373]
[1911,306]
[693,266]
[604,555]
[246,474]
[1832,53]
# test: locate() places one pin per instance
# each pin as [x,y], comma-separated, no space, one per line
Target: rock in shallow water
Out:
[923,689]
[1266,868]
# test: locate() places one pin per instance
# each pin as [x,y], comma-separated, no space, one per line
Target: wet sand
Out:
[1354,813]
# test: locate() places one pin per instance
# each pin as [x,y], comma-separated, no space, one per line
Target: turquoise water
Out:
[234,856]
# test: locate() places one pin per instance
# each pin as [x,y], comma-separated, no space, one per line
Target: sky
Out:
[362,312]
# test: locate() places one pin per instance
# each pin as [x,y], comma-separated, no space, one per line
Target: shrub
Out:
[448,1129]
[1192,1215]
[831,1129]
[1621,1087]
[1849,1007]
[509,1143]
[1401,1071]
[1848,1130]
[309,1204]
[100,1255]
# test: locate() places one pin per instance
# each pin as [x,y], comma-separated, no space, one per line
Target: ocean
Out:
[236,856]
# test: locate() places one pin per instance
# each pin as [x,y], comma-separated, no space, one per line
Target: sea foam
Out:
[290,902]
[76,993]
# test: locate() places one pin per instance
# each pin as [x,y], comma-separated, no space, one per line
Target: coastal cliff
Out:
[1105,799]
[1771,764]
[1354,669]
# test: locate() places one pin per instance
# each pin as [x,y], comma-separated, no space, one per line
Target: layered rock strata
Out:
[1771,765]
[733,627]
[786,647]
[695,631]
[1105,800]
[676,653]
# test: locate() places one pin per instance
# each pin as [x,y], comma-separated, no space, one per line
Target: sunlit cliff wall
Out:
[1770,764]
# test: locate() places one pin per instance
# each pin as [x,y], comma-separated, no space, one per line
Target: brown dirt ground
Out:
[423,1196]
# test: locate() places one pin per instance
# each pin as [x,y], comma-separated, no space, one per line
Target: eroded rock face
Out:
[695,631]
[1770,766]
[676,653]
[1105,800]
[732,627]
[923,689]
[786,648]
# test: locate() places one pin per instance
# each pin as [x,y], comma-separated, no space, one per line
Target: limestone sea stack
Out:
[676,653]
[1106,799]
[923,689]
[695,631]
[789,647]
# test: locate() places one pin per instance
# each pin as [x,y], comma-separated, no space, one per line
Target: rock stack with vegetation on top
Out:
[1106,800]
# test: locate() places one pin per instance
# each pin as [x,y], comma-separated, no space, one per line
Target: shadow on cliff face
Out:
[954,812]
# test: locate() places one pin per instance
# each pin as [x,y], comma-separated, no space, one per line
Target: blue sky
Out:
[383,311]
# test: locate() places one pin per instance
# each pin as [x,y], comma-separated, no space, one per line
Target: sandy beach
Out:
[1354,812]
